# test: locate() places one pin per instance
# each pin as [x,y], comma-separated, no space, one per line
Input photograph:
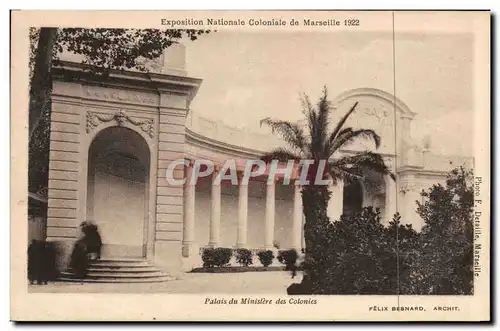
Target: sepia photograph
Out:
[260,158]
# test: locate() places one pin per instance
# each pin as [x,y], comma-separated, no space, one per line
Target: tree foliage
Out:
[121,49]
[103,50]
[317,143]
[445,262]
[361,256]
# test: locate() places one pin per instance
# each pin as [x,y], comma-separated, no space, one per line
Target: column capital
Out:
[188,174]
[214,174]
[241,175]
[273,182]
[190,162]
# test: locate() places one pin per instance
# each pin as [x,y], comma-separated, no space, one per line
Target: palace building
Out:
[113,139]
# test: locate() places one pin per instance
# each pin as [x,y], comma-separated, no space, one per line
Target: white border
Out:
[257,4]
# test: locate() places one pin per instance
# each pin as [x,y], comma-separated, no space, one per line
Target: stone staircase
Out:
[119,271]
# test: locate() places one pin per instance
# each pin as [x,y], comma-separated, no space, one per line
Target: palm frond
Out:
[328,145]
[308,111]
[345,131]
[361,161]
[343,173]
[341,123]
[280,154]
[289,132]
[312,124]
[324,111]
[346,137]
[321,125]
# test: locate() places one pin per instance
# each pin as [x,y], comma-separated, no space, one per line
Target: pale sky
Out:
[251,75]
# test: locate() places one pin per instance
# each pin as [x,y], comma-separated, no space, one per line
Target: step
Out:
[119,265]
[119,261]
[117,275]
[119,270]
[107,268]
[122,269]
[118,280]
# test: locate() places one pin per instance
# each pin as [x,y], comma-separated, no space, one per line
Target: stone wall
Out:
[169,200]
[64,165]
[153,106]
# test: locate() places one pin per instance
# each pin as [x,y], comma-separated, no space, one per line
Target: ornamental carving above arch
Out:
[94,119]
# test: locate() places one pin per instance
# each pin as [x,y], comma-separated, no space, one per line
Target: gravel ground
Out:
[270,282]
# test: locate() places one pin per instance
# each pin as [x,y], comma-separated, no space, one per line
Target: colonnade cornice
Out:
[104,106]
[239,151]
[139,88]
[218,146]
[166,83]
[420,171]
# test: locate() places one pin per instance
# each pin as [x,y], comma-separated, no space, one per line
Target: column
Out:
[297,219]
[189,208]
[302,233]
[215,214]
[269,228]
[241,241]
[403,138]
[336,203]
[390,199]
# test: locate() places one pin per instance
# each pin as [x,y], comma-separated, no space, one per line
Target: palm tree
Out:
[316,143]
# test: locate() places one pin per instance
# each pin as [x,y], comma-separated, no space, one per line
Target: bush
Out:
[266,257]
[208,257]
[288,257]
[445,261]
[216,257]
[41,262]
[244,257]
[359,255]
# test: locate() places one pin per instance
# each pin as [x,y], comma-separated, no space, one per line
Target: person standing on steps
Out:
[93,240]
[79,259]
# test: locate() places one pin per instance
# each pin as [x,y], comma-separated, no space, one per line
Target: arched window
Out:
[353,198]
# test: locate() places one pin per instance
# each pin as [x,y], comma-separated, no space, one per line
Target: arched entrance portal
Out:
[353,198]
[117,191]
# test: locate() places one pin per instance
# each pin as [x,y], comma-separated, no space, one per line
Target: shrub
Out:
[216,257]
[360,256]
[208,257]
[357,258]
[222,256]
[445,261]
[244,257]
[266,257]
[41,261]
[288,257]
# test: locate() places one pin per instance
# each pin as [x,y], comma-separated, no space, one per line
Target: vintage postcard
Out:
[250,166]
